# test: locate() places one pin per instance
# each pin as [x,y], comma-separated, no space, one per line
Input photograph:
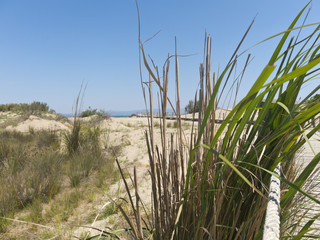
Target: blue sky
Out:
[48,48]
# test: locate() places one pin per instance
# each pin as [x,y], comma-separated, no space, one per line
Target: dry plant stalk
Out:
[215,185]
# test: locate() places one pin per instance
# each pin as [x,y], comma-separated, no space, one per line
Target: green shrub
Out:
[191,107]
[99,115]
[33,108]
[89,112]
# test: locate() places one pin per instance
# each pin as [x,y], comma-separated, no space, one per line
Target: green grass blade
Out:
[292,185]
[301,179]
[296,73]
[233,167]
[306,228]
[285,36]
[303,133]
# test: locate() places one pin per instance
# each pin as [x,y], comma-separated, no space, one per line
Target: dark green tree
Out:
[191,108]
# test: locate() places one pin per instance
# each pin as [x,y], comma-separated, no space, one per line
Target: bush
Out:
[101,114]
[33,108]
[191,108]
[89,112]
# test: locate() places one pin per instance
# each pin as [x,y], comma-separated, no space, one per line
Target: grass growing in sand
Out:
[30,169]
[41,178]
[209,185]
[215,185]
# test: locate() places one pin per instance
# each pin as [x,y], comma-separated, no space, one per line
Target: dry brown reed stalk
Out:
[140,224]
[167,162]
[133,226]
[222,193]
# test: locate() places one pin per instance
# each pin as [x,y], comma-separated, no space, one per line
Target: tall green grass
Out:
[83,144]
[215,184]
[35,167]
[30,169]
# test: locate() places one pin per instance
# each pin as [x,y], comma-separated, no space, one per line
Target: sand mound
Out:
[36,123]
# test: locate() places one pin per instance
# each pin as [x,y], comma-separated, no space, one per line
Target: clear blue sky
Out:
[48,48]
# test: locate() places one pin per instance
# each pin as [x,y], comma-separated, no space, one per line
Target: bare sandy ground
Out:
[38,123]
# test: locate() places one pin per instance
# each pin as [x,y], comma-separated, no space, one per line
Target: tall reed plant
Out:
[215,184]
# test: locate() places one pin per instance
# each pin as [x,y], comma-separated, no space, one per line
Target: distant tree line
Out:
[34,107]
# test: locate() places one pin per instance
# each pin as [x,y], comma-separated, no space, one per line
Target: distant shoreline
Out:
[72,114]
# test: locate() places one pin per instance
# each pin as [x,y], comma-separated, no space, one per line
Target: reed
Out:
[214,184]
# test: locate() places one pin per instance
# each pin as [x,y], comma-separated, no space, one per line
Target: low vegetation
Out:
[211,185]
[32,108]
[36,166]
[94,112]
[30,167]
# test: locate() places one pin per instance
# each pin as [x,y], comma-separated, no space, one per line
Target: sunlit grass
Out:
[215,185]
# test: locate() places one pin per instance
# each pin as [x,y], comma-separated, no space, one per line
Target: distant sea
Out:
[111,113]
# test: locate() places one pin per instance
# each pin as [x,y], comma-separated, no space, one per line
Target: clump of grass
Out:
[172,124]
[33,165]
[88,157]
[129,125]
[61,209]
[215,186]
[30,168]
[109,210]
[84,149]
[82,163]
[35,211]
[72,139]
[47,139]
